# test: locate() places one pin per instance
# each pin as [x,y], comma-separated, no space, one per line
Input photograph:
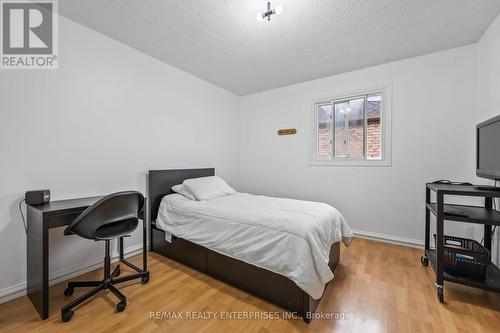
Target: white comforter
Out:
[288,237]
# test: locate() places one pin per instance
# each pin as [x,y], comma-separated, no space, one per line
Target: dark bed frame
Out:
[259,282]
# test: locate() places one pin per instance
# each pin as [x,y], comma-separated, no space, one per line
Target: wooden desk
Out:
[40,219]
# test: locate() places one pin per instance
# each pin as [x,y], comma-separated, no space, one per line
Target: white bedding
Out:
[285,236]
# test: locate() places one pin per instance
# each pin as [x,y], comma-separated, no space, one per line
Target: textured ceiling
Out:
[222,42]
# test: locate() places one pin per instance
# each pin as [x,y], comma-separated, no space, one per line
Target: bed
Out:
[186,234]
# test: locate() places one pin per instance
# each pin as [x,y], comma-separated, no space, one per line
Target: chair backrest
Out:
[113,208]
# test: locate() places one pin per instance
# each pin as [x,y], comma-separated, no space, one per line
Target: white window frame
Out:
[385,119]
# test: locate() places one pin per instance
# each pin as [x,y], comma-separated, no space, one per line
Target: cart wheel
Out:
[440,294]
[424,260]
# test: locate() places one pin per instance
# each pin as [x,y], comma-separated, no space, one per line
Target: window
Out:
[353,130]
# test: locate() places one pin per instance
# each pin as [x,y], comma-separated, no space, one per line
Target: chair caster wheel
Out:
[66,315]
[145,279]
[440,294]
[120,307]
[68,291]
[424,260]
[118,272]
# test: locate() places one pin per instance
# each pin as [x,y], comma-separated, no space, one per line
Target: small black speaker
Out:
[37,197]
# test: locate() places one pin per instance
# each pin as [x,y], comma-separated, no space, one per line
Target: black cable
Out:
[495,208]
[449,182]
[22,215]
[494,200]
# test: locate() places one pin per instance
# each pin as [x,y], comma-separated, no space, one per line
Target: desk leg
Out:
[38,262]
[488,203]
[440,246]
[141,273]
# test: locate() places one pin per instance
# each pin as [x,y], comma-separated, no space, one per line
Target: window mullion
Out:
[332,142]
[317,131]
[346,129]
[365,127]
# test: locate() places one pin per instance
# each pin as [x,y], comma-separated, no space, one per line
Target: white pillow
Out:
[207,188]
[182,190]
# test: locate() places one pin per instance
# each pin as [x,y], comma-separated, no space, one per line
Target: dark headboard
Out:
[160,183]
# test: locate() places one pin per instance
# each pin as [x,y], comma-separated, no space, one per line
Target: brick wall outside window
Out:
[373,139]
[355,142]
[324,145]
[356,134]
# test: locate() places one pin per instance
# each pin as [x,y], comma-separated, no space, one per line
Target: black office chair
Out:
[114,216]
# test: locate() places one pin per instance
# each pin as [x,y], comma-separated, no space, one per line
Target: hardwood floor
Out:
[378,287]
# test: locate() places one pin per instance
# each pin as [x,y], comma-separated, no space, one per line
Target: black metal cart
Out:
[486,216]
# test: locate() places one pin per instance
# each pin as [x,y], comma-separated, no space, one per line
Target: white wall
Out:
[488,91]
[432,138]
[95,126]
[110,113]
[488,81]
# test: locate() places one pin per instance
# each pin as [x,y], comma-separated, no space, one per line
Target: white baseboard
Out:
[19,290]
[409,242]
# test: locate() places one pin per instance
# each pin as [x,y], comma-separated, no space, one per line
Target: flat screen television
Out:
[488,149]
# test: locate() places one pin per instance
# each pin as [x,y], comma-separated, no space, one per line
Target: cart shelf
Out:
[471,214]
[491,282]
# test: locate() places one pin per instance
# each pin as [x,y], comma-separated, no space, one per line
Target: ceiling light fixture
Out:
[267,14]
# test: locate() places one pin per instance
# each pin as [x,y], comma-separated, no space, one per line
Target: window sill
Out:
[364,163]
